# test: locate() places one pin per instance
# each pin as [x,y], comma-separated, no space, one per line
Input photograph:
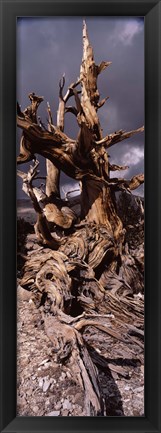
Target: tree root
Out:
[54,273]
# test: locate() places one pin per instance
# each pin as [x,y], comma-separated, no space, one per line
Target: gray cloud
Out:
[48,47]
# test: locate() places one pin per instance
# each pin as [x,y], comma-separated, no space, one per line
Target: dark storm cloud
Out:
[48,47]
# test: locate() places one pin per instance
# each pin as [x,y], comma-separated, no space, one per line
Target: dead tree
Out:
[91,263]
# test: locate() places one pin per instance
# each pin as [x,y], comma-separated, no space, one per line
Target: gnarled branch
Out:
[118,136]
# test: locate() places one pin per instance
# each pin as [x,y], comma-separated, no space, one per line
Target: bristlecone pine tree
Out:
[88,273]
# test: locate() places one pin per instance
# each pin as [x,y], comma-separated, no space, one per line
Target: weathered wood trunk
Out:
[52,180]
[98,206]
[86,276]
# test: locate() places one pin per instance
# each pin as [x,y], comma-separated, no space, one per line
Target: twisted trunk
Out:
[91,279]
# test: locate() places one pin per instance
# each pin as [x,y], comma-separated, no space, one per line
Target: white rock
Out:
[139,389]
[62,377]
[44,361]
[46,385]
[30,301]
[53,413]
[127,387]
[35,409]
[67,404]
[41,382]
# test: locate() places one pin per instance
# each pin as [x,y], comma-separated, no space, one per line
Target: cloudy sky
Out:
[49,47]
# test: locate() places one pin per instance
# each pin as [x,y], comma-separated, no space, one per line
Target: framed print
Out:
[72,308]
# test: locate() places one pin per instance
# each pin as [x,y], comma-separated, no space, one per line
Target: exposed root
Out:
[64,279]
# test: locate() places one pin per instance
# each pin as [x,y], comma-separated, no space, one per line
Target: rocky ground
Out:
[46,388]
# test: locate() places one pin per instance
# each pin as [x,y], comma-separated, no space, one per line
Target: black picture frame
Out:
[151,10]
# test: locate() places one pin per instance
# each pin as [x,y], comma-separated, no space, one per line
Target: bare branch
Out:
[136,181]
[77,100]
[61,86]
[102,102]
[57,147]
[102,66]
[115,167]
[61,108]
[26,153]
[69,92]
[118,136]
[71,109]
[41,227]
[41,124]
[88,76]
[19,112]
[53,173]
[31,110]
[52,180]
[123,184]
[50,118]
